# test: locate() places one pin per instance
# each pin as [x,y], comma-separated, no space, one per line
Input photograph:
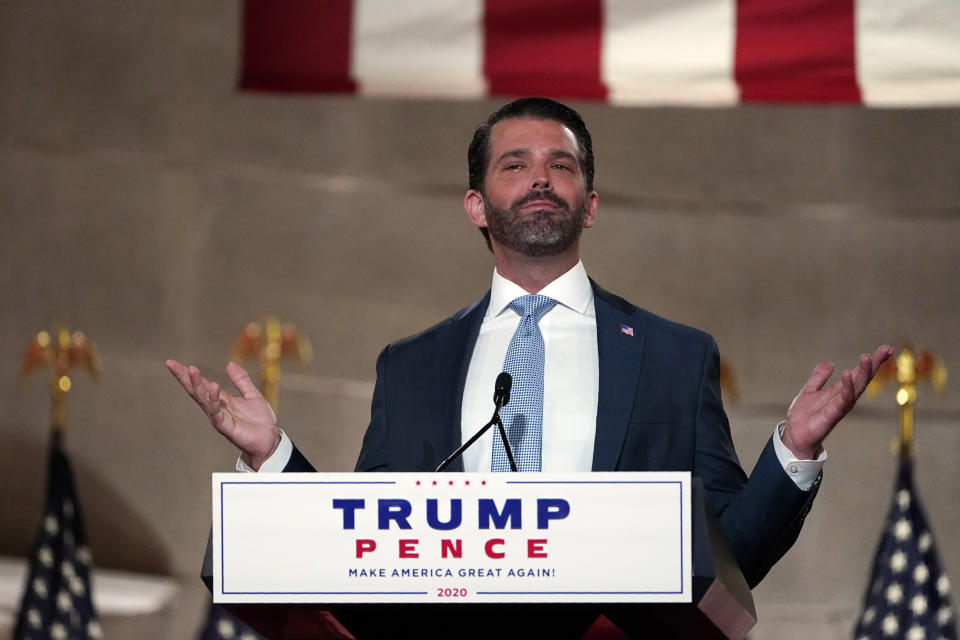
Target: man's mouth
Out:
[540,204]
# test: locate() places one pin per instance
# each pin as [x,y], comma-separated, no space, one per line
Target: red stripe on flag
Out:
[796,51]
[544,47]
[297,45]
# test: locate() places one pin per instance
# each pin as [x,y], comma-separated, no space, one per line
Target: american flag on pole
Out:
[679,52]
[908,595]
[221,625]
[57,603]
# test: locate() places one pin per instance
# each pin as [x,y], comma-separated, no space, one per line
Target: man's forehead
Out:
[521,132]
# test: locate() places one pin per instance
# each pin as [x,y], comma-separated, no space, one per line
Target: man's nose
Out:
[541,178]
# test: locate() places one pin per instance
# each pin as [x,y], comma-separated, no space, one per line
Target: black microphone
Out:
[501,389]
[501,396]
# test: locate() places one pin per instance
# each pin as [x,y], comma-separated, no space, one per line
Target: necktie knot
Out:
[533,305]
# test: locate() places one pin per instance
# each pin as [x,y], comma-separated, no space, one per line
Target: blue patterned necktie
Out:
[523,415]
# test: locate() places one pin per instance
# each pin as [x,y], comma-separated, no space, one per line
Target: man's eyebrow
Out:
[560,153]
[514,153]
[521,152]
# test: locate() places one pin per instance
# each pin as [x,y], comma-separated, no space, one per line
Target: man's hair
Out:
[478,154]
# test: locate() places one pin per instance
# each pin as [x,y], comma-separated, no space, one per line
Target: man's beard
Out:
[538,233]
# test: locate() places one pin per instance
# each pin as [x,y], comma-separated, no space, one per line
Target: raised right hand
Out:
[247,421]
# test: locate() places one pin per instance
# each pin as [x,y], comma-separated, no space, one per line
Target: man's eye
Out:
[514,165]
[562,166]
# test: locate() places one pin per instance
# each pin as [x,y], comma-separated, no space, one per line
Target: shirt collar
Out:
[572,290]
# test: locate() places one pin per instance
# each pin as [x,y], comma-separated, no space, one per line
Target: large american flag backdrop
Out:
[630,52]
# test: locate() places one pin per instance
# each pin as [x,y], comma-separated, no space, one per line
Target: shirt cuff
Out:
[276,462]
[803,472]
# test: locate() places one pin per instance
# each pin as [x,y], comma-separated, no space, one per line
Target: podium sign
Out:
[451,537]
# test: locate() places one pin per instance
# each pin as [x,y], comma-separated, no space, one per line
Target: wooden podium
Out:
[720,606]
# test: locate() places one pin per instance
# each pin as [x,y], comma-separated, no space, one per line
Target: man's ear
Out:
[473,204]
[593,203]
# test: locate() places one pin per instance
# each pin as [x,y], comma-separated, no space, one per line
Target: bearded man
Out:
[599,384]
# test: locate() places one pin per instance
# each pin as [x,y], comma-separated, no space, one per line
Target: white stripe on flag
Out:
[670,51]
[428,48]
[908,52]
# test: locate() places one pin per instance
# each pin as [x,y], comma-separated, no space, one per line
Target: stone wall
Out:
[145,201]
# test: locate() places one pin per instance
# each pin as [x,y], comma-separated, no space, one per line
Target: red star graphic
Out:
[467,483]
[483,483]
[418,483]
[434,483]
[451,483]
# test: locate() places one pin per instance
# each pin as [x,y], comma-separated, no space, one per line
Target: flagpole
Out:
[61,563]
[60,350]
[908,593]
[270,340]
[908,370]
[906,399]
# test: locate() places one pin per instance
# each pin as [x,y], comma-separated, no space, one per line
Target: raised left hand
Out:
[245,420]
[816,410]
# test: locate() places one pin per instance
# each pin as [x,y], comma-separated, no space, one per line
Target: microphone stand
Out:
[503,436]
[495,420]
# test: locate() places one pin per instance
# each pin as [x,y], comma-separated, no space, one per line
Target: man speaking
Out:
[598,383]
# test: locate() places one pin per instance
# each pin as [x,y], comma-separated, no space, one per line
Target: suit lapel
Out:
[620,355]
[451,360]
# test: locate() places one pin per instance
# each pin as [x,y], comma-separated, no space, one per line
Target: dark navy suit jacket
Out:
[659,409]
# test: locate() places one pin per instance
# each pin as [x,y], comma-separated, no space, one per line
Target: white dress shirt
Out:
[571,373]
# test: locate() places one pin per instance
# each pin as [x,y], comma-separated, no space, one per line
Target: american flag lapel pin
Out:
[626,330]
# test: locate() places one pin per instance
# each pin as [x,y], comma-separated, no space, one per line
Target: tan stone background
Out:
[145,201]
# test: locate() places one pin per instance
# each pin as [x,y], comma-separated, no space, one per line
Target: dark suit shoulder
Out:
[427,336]
[680,331]
[655,325]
